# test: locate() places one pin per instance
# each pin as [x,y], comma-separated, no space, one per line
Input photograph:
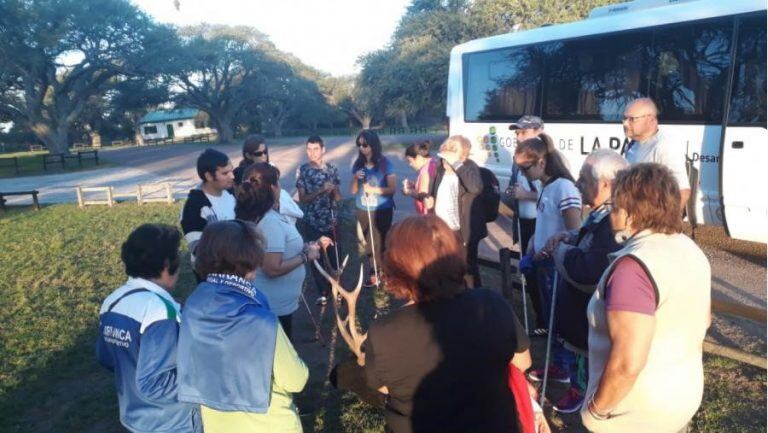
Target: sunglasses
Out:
[260,153]
[362,145]
[526,167]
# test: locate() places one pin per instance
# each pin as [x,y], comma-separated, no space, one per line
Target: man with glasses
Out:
[641,125]
[521,195]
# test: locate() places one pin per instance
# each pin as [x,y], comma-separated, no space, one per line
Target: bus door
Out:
[744,156]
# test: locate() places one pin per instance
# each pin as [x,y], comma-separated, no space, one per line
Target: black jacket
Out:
[580,267]
[471,213]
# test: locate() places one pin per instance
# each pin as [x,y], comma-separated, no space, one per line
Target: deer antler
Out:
[347,326]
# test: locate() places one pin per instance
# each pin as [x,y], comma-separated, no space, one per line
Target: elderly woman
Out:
[443,358]
[581,257]
[649,314]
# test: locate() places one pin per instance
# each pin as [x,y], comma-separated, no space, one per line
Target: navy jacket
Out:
[580,267]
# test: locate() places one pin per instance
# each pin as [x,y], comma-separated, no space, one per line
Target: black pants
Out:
[527,227]
[472,278]
[382,221]
[287,322]
[312,234]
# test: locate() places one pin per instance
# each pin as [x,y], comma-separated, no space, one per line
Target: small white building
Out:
[176,123]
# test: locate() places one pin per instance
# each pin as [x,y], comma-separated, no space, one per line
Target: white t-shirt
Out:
[528,207]
[657,149]
[223,206]
[281,236]
[555,198]
[447,201]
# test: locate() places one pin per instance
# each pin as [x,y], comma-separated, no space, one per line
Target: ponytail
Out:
[556,167]
[254,196]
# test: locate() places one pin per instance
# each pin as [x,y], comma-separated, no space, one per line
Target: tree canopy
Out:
[78,66]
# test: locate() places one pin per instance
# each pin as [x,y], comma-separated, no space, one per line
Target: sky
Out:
[329,35]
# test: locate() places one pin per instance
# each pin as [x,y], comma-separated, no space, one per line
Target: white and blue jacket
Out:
[138,336]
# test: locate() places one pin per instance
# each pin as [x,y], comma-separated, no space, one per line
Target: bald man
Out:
[641,125]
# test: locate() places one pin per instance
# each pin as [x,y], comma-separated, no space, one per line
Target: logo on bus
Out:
[492,142]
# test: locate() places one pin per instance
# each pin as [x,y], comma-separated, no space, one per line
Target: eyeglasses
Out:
[260,153]
[526,167]
[362,144]
[633,119]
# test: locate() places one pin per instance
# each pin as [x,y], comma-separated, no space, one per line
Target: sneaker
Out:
[321,300]
[555,373]
[570,402]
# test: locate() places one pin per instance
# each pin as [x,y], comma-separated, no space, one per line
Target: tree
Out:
[361,103]
[133,98]
[493,17]
[410,75]
[59,54]
[218,69]
[285,96]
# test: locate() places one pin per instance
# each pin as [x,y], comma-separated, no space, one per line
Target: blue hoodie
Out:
[227,346]
[138,333]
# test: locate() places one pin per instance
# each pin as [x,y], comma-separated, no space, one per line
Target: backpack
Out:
[490,196]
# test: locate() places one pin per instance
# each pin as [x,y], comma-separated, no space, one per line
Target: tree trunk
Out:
[223,127]
[365,121]
[403,119]
[56,140]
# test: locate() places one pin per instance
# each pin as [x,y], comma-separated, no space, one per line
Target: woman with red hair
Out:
[442,359]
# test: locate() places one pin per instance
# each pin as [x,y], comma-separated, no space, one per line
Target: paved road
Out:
[738,268]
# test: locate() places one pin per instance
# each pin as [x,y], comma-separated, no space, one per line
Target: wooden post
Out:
[80,201]
[735,354]
[168,192]
[139,195]
[34,199]
[110,200]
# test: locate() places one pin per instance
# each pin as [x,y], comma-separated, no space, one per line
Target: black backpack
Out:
[490,196]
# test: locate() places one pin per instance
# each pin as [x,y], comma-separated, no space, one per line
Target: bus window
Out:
[690,70]
[594,78]
[501,85]
[748,100]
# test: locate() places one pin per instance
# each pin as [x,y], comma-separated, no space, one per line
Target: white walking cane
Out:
[370,233]
[549,338]
[522,277]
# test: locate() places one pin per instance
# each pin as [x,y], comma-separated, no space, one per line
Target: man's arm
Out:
[305,197]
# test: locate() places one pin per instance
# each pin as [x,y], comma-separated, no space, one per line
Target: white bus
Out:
[702,61]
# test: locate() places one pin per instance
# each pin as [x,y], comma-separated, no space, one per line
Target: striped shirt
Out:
[555,198]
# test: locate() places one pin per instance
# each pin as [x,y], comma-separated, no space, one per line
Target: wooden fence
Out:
[144,193]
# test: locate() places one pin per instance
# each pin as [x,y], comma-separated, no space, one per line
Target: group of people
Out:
[625,293]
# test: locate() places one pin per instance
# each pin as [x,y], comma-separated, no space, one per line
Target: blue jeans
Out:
[561,357]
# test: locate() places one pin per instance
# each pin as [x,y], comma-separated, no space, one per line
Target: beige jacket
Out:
[668,391]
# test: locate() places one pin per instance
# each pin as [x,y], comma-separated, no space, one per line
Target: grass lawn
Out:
[31,163]
[58,264]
